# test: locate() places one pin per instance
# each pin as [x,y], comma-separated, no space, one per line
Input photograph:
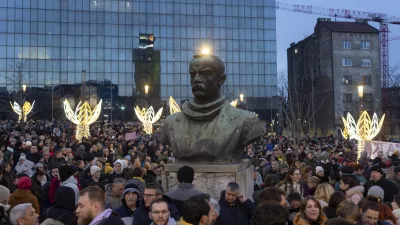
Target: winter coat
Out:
[141,215]
[298,220]
[311,163]
[388,187]
[8,180]
[355,194]
[150,177]
[25,168]
[4,217]
[54,162]
[396,214]
[329,212]
[44,198]
[72,183]
[114,175]
[33,157]
[126,213]
[182,192]
[21,196]
[54,184]
[238,213]
[63,209]
[36,187]
[113,219]
[112,202]
[171,221]
[361,179]
[288,189]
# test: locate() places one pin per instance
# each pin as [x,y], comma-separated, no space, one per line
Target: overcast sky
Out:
[293,27]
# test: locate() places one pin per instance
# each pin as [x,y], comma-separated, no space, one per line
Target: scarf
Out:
[183,222]
[203,112]
[102,216]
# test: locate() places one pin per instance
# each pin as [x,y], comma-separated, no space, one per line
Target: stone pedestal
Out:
[212,179]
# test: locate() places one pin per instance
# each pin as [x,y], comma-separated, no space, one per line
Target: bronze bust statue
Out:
[209,130]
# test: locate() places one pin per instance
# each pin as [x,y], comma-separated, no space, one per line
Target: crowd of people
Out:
[49,177]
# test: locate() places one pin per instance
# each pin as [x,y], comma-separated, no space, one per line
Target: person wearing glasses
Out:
[291,183]
[159,213]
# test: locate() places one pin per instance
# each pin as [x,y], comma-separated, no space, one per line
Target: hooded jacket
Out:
[21,196]
[113,202]
[171,221]
[237,213]
[141,216]
[139,182]
[4,217]
[355,194]
[72,183]
[125,212]
[64,206]
[388,187]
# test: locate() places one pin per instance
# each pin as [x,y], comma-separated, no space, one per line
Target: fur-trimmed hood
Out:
[355,190]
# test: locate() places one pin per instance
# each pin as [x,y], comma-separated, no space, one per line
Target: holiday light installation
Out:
[83,116]
[234,103]
[173,106]
[364,130]
[22,113]
[147,117]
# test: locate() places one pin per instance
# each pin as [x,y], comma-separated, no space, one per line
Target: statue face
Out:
[205,79]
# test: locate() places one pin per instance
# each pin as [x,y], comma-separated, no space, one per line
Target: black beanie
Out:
[65,172]
[185,174]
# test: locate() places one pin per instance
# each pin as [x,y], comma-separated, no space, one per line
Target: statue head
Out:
[207,75]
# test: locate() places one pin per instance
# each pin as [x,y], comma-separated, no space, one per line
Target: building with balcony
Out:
[327,68]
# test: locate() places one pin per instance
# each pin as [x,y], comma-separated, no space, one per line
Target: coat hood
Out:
[70,179]
[355,190]
[21,194]
[65,198]
[123,165]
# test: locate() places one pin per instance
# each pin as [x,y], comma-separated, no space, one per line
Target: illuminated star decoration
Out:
[83,116]
[173,106]
[364,130]
[234,103]
[26,109]
[147,117]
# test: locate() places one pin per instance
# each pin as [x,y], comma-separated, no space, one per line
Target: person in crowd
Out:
[396,207]
[24,166]
[185,188]
[358,172]
[270,214]
[348,211]
[159,213]
[91,208]
[152,192]
[8,177]
[114,193]
[336,198]
[396,177]
[376,194]
[378,179]
[135,176]
[272,195]
[385,214]
[63,208]
[198,210]
[320,173]
[119,170]
[130,202]
[68,180]
[23,194]
[350,187]
[312,184]
[370,214]
[4,206]
[294,200]
[24,214]
[234,207]
[323,193]
[51,222]
[291,183]
[310,213]
[33,155]
[310,161]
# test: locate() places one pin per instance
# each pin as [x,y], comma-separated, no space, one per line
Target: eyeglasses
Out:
[160,212]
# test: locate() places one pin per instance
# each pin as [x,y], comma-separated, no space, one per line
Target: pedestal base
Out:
[212,179]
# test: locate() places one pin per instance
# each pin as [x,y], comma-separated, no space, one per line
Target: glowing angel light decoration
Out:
[22,113]
[83,116]
[234,103]
[364,130]
[173,106]
[147,117]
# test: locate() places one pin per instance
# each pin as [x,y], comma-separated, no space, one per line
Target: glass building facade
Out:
[60,38]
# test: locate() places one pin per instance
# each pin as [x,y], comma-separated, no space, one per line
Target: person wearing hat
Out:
[46,158]
[130,202]
[67,179]
[4,206]
[33,154]
[56,159]
[23,166]
[378,179]
[23,194]
[92,177]
[376,194]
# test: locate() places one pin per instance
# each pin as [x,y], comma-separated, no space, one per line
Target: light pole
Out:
[146,91]
[123,112]
[361,95]
[241,96]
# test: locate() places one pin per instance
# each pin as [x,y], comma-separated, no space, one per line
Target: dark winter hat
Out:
[24,183]
[89,158]
[377,169]
[347,169]
[65,172]
[185,174]
[78,158]
[131,188]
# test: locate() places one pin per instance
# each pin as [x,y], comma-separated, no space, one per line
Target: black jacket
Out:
[113,219]
[141,215]
[33,157]
[237,213]
[330,212]
[388,187]
[64,206]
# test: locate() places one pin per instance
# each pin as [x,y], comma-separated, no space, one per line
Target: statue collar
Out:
[203,112]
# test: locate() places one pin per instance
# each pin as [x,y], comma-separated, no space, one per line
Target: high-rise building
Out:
[335,71]
[124,44]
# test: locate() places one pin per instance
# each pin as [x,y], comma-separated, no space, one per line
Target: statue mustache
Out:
[199,86]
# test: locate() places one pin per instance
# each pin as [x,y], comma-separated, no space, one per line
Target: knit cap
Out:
[376,191]
[319,169]
[94,169]
[4,193]
[24,183]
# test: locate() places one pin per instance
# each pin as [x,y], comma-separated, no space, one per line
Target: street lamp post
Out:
[146,91]
[361,95]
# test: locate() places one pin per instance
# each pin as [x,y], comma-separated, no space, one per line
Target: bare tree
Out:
[394,75]
[17,79]
[296,102]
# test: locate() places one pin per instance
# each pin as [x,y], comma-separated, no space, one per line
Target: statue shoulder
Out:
[173,118]
[242,114]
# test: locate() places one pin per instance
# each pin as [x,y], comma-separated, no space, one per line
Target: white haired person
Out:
[4,206]
[24,214]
